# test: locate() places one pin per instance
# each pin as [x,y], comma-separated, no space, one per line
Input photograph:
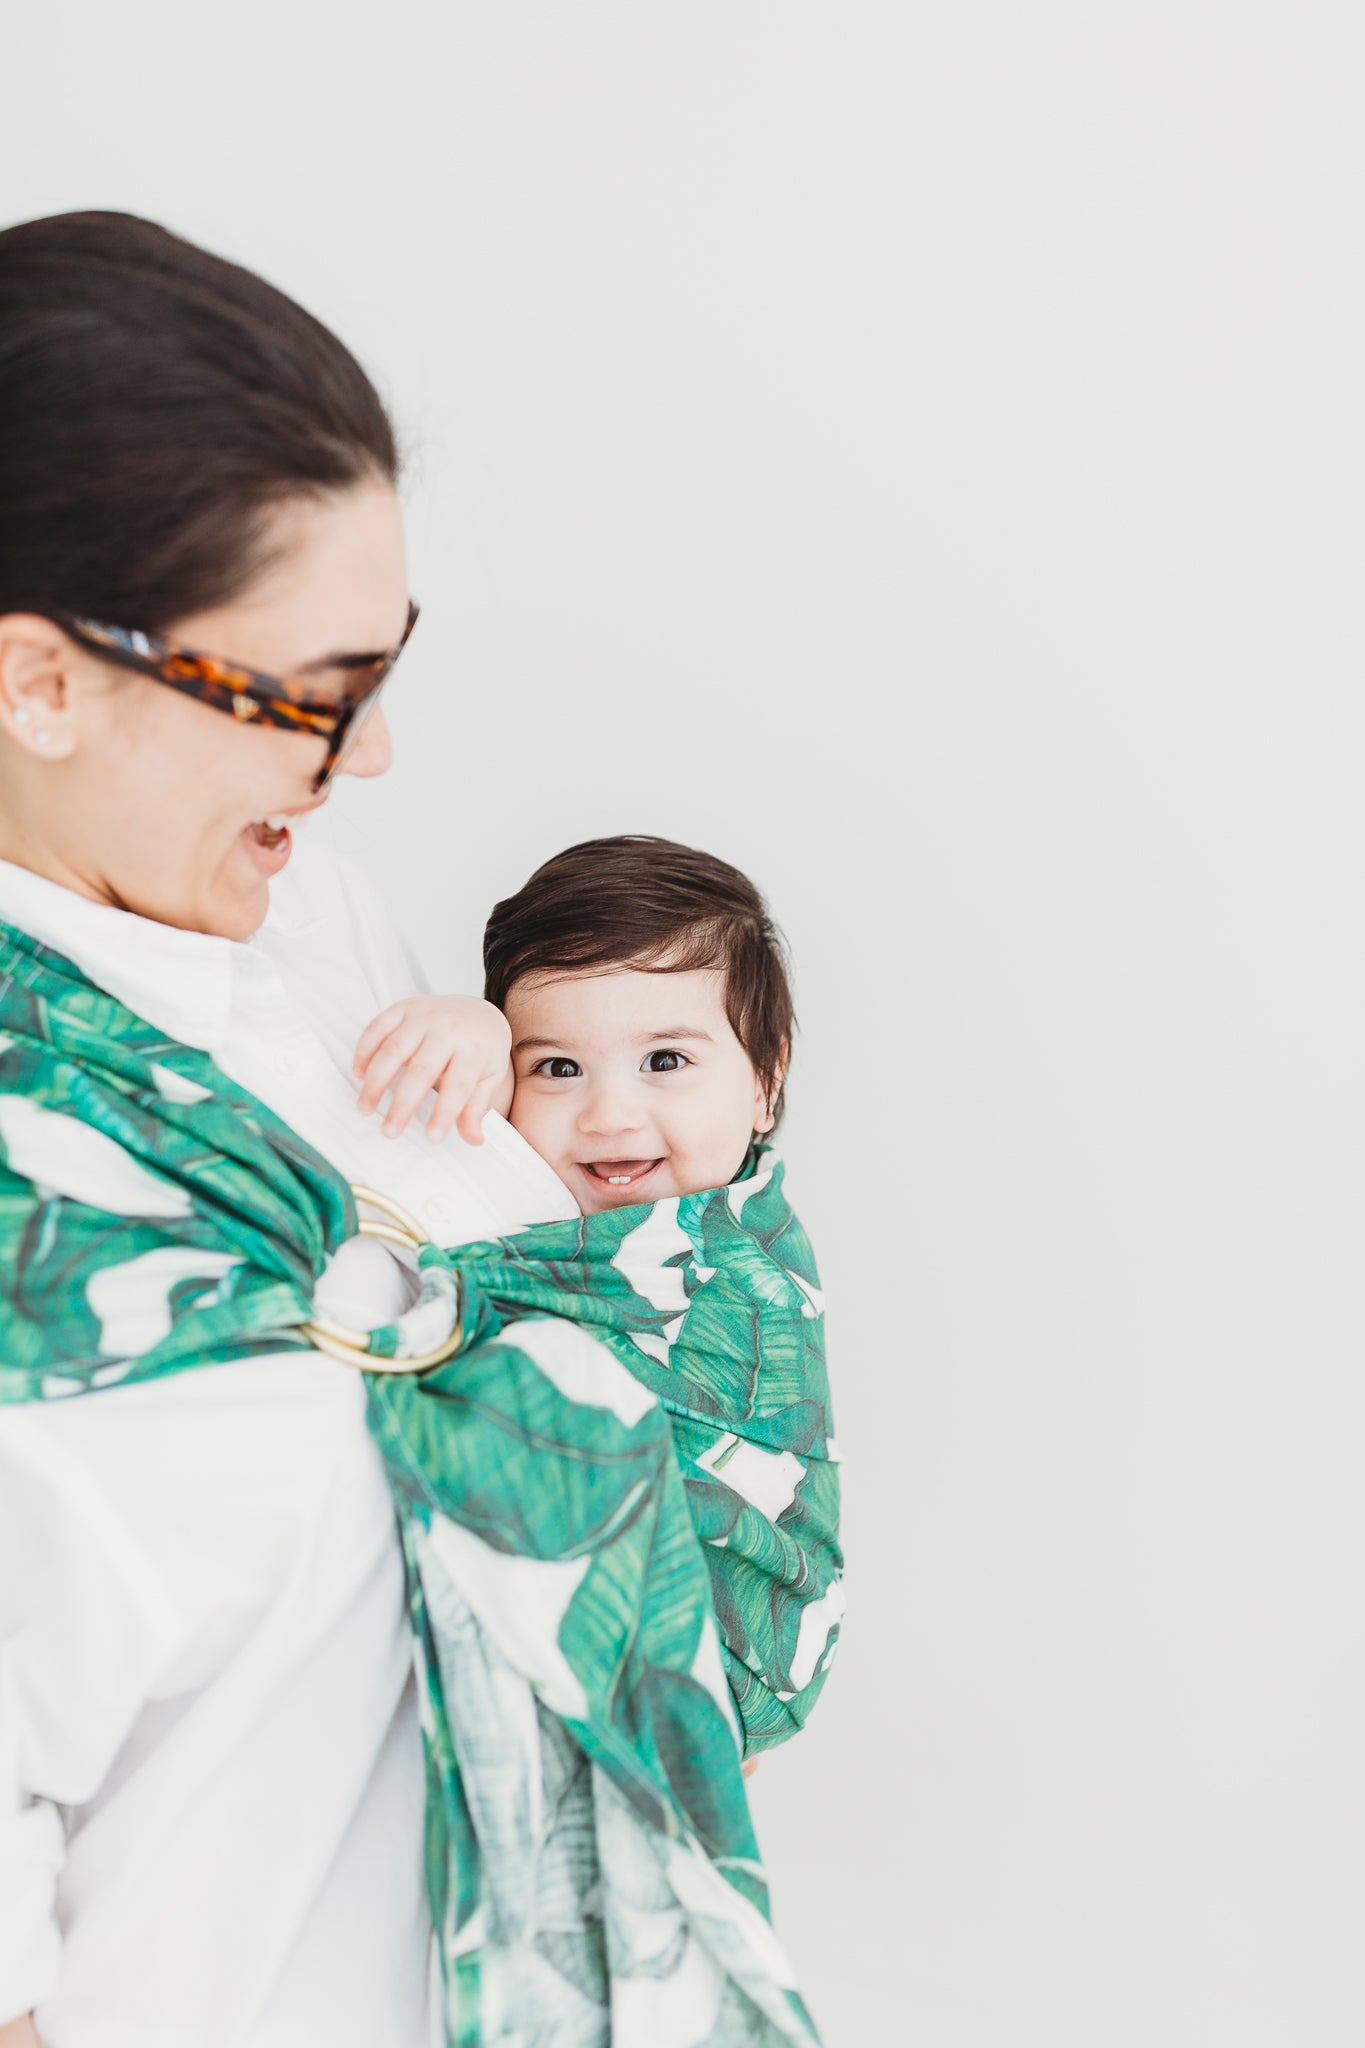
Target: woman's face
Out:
[141,797]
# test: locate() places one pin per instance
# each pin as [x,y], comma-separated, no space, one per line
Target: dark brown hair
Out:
[636,901]
[155,403]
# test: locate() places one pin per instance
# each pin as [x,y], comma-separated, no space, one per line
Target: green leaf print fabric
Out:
[618,1505]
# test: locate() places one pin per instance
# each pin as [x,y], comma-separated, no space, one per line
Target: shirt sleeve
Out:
[86,1624]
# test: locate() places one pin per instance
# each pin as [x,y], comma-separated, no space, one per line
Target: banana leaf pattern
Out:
[618,1504]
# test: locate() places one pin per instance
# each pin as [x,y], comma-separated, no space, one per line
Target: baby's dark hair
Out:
[637,901]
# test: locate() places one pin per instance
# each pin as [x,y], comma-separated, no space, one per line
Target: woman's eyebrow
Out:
[345,658]
[343,661]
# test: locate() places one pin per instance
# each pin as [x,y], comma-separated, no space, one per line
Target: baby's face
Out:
[632,1086]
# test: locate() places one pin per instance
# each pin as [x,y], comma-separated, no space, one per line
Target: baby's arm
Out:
[458,1045]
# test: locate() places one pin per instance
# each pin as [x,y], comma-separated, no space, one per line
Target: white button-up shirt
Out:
[211,1781]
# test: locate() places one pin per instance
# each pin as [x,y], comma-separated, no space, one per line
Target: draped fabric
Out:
[617,1502]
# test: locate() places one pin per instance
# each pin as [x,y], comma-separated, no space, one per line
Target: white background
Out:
[916,452]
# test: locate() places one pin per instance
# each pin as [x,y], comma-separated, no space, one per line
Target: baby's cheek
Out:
[713,1165]
[527,1114]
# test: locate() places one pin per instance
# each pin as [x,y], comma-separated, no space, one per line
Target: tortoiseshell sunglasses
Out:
[244,693]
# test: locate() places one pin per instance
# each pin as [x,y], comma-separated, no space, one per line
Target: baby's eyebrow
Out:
[532,1044]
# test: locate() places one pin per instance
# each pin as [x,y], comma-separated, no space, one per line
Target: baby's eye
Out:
[557,1068]
[665,1062]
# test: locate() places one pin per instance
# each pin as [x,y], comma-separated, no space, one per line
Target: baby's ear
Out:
[765,1112]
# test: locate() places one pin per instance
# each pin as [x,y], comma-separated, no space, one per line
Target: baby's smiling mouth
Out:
[619,1173]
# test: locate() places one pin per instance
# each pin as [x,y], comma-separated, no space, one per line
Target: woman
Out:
[211,1779]
[215,1818]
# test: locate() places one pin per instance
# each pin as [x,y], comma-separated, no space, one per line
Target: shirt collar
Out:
[180,981]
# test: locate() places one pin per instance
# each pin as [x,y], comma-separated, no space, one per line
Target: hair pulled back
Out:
[156,402]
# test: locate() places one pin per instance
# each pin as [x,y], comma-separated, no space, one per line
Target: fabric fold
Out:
[618,1507]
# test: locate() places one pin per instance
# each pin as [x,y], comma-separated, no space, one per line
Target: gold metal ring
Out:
[350,1345]
[387,1207]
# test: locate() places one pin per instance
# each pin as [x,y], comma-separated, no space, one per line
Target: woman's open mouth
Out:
[622,1176]
[270,842]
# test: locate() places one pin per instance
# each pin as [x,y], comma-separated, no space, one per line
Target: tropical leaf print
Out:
[618,1505]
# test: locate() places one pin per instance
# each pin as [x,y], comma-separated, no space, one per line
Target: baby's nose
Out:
[609,1108]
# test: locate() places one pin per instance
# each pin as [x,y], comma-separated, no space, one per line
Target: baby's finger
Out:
[469,1122]
[424,1072]
[453,1091]
[374,1034]
[395,1051]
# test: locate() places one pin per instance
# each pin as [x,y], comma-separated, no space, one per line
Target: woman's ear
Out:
[35,699]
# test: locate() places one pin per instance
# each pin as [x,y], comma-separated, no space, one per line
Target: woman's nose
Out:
[371,752]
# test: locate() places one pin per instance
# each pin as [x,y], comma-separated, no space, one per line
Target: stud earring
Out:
[22,715]
[42,738]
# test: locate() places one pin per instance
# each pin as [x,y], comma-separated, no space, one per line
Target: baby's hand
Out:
[458,1045]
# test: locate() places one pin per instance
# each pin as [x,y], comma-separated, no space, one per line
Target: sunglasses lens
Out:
[362,704]
[343,741]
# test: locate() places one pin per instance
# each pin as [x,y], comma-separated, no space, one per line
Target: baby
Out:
[636,1030]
